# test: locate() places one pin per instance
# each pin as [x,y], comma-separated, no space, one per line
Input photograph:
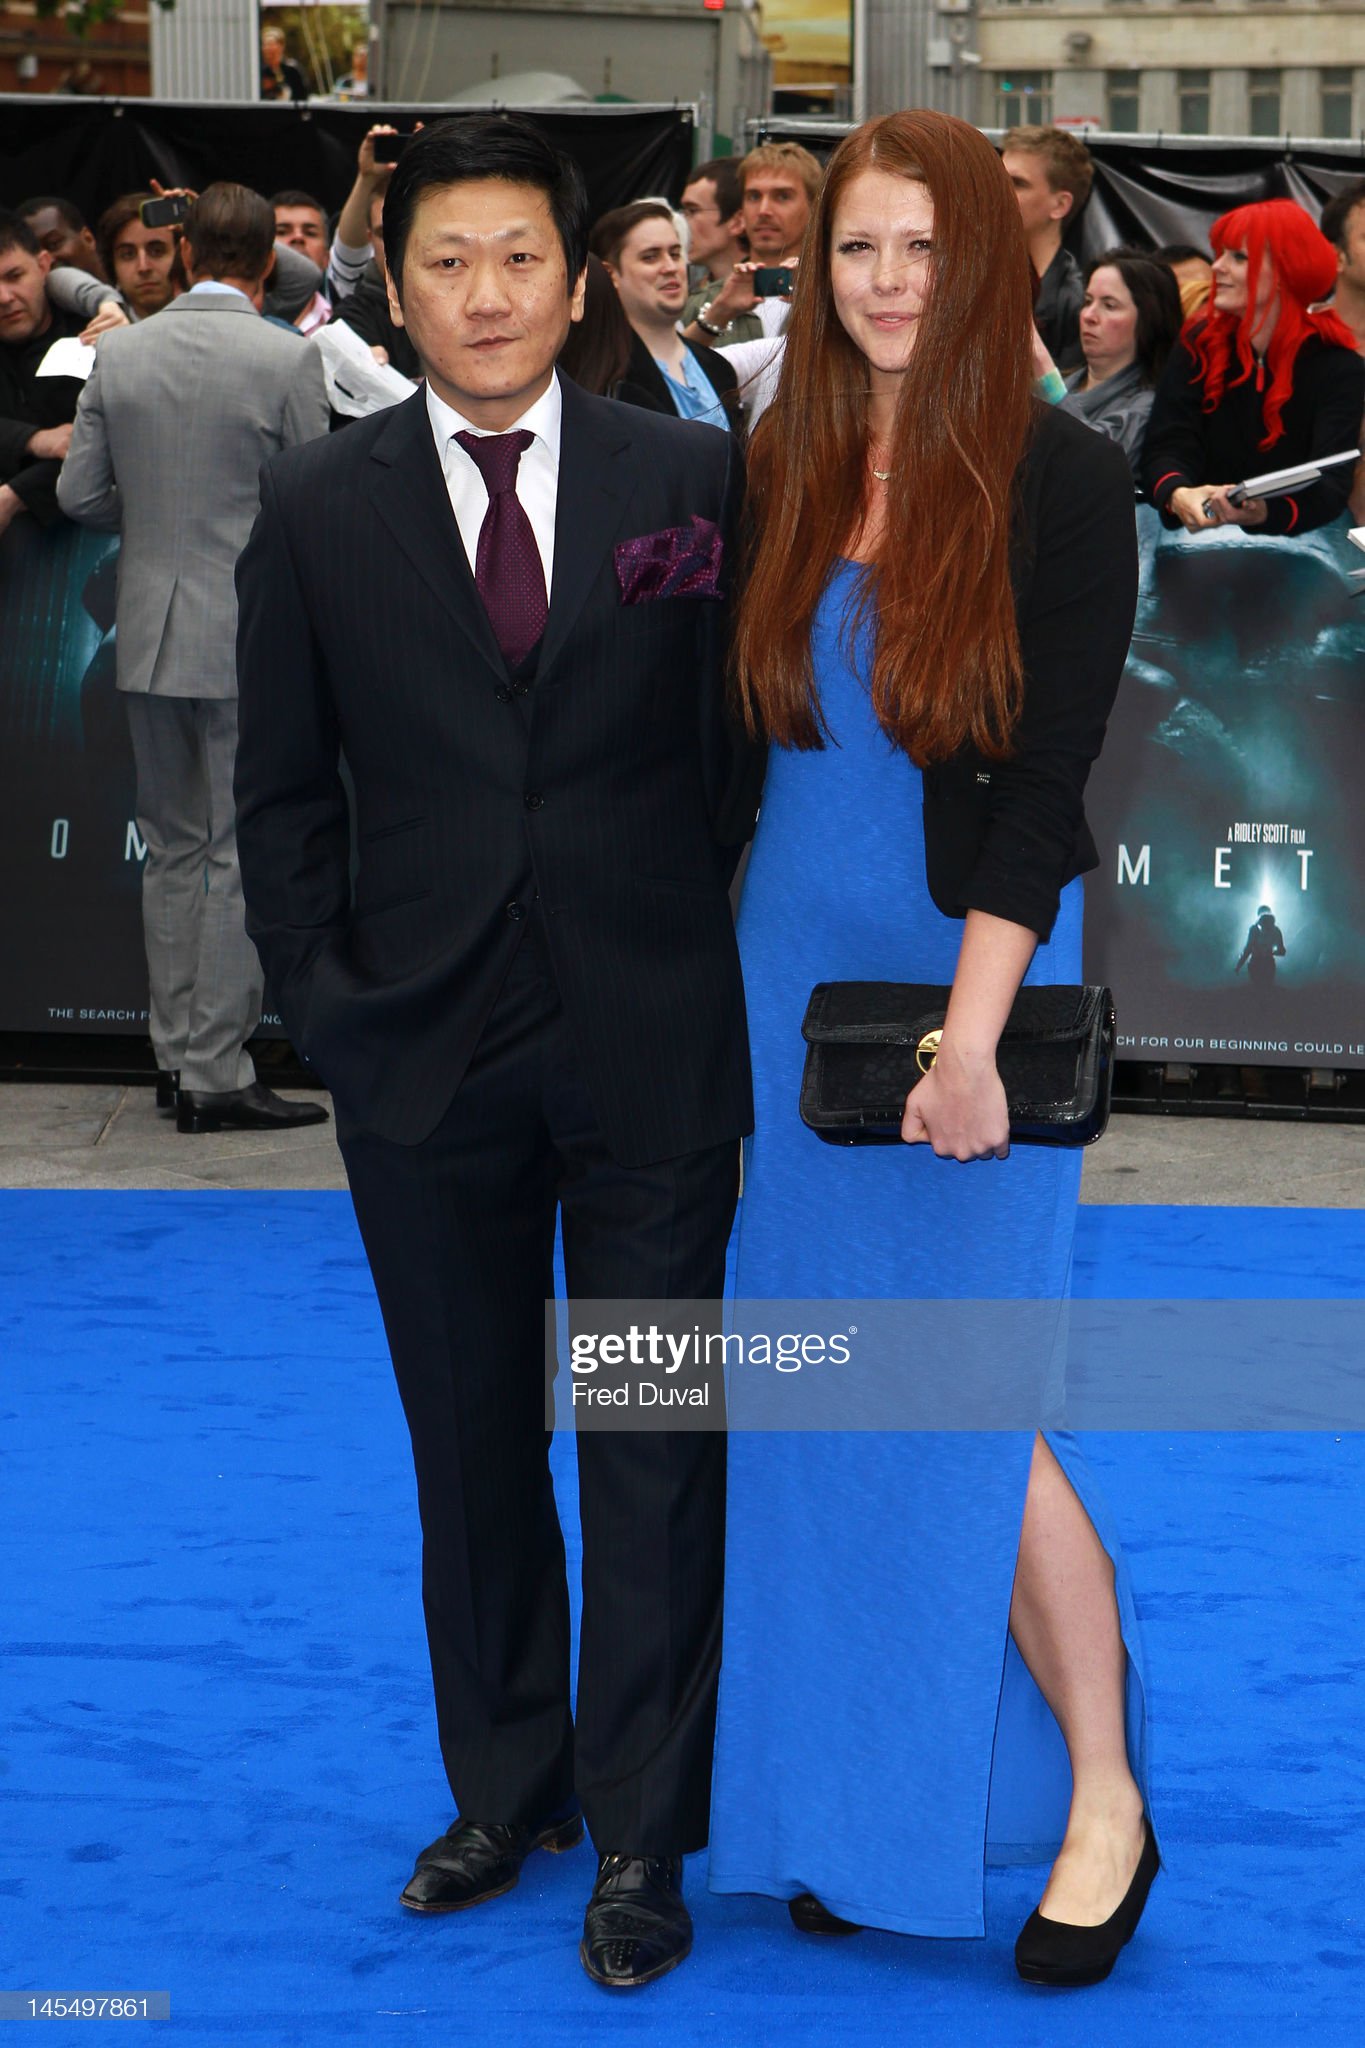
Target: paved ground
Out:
[90,1135]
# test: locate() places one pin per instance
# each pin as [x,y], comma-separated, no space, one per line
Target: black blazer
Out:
[1007,836]
[644,385]
[594,798]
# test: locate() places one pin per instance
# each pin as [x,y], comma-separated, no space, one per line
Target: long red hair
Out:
[1304,265]
[946,669]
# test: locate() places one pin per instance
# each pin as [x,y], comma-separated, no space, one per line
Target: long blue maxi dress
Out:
[879,1739]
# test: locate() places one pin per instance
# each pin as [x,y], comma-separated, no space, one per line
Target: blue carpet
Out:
[219,1752]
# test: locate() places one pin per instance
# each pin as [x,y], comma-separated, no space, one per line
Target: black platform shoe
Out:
[810,1917]
[1053,1952]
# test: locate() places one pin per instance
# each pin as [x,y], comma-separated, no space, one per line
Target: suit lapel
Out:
[409,493]
[595,487]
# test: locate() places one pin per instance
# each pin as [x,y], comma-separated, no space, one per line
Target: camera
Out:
[164,213]
[773,281]
[388,148]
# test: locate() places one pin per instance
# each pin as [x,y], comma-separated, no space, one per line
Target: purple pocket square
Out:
[681,561]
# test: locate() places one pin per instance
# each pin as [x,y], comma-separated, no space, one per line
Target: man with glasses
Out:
[713,207]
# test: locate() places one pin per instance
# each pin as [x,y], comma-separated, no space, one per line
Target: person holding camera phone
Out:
[935,617]
[354,248]
[779,182]
[139,241]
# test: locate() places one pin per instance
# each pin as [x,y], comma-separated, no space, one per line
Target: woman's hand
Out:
[1251,512]
[736,296]
[1199,506]
[1188,503]
[959,1108]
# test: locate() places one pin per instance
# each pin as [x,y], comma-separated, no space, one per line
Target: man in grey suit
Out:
[172,428]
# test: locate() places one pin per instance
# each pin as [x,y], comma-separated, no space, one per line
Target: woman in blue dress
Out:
[930,1647]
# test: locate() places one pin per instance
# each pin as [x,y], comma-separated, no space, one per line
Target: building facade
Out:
[1175,67]
[41,54]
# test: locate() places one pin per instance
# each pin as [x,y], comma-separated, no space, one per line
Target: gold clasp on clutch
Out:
[926,1052]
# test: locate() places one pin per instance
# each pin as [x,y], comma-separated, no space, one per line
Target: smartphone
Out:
[388,148]
[163,213]
[773,281]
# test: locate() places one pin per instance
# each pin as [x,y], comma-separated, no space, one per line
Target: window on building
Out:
[1336,104]
[1121,88]
[1192,90]
[1264,89]
[1022,98]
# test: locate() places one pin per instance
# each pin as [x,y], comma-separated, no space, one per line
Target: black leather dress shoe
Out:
[810,1917]
[243,1109]
[478,1860]
[167,1091]
[636,1927]
[1053,1952]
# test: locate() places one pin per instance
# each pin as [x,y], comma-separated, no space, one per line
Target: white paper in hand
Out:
[68,357]
[356,383]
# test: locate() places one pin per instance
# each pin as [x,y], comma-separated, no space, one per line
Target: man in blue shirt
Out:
[643,254]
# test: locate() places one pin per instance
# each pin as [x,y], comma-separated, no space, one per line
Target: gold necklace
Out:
[883,476]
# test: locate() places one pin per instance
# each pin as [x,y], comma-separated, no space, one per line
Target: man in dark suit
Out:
[500,600]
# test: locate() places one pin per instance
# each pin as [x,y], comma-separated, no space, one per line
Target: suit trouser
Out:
[204,972]
[460,1236]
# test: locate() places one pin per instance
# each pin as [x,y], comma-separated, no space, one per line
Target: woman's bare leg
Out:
[1065,1620]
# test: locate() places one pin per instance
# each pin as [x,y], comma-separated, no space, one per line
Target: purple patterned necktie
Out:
[507,567]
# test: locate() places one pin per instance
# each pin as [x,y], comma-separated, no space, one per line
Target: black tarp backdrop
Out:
[90,151]
[1150,190]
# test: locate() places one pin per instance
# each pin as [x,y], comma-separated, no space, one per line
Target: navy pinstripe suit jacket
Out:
[604,798]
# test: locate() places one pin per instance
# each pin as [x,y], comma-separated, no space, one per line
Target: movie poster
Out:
[70,850]
[1225,913]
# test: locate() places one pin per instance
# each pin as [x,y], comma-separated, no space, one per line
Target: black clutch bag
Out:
[871,1041]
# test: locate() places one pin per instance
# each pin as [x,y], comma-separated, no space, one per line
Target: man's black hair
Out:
[70,216]
[15,233]
[1180,252]
[455,152]
[1338,211]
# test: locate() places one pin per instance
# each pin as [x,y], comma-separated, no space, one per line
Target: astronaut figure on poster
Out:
[1265,944]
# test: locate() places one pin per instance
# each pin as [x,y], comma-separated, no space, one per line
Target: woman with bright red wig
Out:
[931,1659]
[1260,381]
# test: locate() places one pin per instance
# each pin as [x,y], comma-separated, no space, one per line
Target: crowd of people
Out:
[688,312]
[504,939]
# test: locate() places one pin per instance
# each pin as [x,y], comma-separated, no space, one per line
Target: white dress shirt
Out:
[537,472]
[772,316]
